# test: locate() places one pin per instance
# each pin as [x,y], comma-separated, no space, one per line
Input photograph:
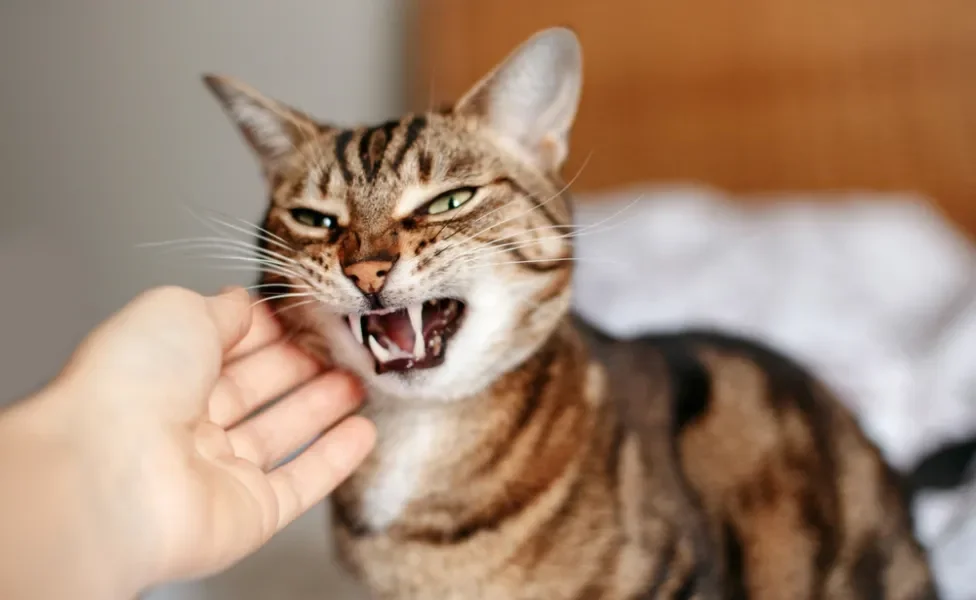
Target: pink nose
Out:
[368,275]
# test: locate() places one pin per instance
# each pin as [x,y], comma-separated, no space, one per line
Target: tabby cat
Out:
[431,255]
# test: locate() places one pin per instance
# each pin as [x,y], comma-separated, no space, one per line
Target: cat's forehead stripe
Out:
[341,144]
[362,152]
[372,148]
[325,175]
[417,124]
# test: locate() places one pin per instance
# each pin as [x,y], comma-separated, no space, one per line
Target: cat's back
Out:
[792,499]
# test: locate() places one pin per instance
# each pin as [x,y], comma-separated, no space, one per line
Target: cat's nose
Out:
[368,275]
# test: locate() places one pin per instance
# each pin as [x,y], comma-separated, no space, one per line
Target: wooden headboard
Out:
[746,95]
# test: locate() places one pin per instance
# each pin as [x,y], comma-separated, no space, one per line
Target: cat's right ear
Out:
[272,129]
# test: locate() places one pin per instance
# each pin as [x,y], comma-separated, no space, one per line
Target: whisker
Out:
[263,231]
[209,222]
[281,244]
[280,296]
[495,248]
[279,285]
[204,251]
[219,243]
[534,207]
[493,245]
[581,230]
[561,259]
[294,305]
[253,226]
[256,269]
[254,259]
[614,215]
[492,249]
[533,229]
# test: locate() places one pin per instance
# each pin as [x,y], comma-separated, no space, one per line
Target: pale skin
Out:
[136,465]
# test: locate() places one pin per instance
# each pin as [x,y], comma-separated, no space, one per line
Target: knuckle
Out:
[344,387]
[172,294]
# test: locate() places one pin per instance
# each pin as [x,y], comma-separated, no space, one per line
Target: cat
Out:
[523,454]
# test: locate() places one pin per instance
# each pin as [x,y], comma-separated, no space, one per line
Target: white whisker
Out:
[280,296]
[494,248]
[255,269]
[253,226]
[204,220]
[295,305]
[217,243]
[254,259]
[292,286]
[534,207]
[562,259]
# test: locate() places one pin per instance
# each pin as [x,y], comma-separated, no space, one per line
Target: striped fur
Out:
[543,460]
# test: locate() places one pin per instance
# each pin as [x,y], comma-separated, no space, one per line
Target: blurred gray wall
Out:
[107,136]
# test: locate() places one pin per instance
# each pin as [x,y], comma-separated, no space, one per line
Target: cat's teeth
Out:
[436,344]
[381,353]
[356,327]
[416,312]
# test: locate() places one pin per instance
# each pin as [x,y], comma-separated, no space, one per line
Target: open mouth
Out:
[415,337]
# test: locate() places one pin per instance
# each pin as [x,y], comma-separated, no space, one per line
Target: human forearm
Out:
[56,541]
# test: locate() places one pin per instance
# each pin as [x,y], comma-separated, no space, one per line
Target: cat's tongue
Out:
[408,338]
[394,327]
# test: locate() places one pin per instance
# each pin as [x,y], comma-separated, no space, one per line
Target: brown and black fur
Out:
[696,465]
[561,464]
[798,503]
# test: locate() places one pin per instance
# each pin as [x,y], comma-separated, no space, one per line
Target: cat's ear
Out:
[272,129]
[531,98]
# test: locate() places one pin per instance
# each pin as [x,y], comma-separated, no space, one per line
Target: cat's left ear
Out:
[531,98]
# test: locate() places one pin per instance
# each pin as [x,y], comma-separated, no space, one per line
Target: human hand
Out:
[153,404]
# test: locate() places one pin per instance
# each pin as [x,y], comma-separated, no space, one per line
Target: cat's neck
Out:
[527,424]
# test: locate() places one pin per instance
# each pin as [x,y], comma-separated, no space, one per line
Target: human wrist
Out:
[63,542]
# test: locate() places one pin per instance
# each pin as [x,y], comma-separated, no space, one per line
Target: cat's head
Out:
[429,254]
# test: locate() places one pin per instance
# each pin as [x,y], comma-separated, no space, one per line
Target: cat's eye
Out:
[314,218]
[448,201]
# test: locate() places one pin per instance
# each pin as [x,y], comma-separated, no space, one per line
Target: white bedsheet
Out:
[875,293]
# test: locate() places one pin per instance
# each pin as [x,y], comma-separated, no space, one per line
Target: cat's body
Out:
[431,255]
[680,466]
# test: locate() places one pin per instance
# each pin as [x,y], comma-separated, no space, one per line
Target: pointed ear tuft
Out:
[531,98]
[272,129]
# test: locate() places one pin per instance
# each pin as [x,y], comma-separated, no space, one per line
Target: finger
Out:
[258,378]
[264,330]
[296,419]
[306,480]
[230,312]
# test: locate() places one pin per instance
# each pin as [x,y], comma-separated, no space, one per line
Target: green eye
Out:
[313,218]
[449,201]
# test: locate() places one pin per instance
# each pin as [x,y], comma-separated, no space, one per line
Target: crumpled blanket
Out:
[876,293]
